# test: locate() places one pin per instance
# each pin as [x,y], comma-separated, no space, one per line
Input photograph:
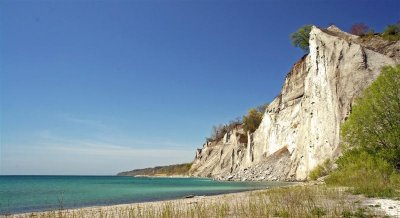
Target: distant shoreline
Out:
[164,176]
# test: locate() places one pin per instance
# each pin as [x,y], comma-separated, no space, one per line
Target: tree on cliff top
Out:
[301,38]
[359,29]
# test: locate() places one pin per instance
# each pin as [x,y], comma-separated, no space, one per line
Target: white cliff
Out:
[300,128]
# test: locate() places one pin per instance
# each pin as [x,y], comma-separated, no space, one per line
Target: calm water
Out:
[33,193]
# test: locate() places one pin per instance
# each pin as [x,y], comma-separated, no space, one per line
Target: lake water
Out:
[37,193]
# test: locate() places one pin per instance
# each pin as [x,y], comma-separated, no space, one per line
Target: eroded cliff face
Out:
[300,128]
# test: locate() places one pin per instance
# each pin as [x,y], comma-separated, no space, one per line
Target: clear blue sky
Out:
[96,87]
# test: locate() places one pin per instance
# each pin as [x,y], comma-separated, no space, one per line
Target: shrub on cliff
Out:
[218,131]
[392,32]
[253,119]
[371,135]
[301,38]
[250,123]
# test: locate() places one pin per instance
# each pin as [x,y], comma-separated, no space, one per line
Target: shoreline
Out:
[54,205]
[184,200]
[239,204]
[155,202]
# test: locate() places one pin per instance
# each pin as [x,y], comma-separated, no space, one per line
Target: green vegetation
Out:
[371,160]
[301,37]
[366,174]
[392,32]
[321,170]
[171,170]
[250,122]
[374,123]
[297,201]
[219,131]
[253,119]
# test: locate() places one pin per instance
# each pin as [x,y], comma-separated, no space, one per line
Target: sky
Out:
[98,87]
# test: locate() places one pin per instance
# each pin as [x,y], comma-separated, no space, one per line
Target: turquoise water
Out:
[36,193]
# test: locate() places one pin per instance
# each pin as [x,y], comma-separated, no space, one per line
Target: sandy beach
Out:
[295,201]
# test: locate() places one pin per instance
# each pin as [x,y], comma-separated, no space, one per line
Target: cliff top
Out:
[373,42]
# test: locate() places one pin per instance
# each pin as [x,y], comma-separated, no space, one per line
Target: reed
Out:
[296,201]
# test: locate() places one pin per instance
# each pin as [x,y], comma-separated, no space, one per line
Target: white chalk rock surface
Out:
[300,128]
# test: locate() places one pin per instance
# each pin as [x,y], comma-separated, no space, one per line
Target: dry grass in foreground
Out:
[296,201]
